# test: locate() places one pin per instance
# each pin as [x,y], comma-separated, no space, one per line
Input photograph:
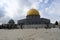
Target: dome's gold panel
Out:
[32,12]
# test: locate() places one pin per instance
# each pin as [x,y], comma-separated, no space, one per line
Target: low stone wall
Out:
[38,26]
[34,26]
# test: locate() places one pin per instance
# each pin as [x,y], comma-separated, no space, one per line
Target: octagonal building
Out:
[33,17]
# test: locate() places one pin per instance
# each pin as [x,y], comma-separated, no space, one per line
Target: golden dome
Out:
[32,12]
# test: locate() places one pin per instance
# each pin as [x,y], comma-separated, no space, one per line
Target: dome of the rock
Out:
[33,17]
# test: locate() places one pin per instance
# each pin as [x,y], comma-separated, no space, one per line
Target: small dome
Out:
[32,12]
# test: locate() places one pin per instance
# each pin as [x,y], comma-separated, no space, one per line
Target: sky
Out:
[17,9]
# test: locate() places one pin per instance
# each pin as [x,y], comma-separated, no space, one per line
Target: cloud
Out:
[4,19]
[17,9]
[53,12]
[2,12]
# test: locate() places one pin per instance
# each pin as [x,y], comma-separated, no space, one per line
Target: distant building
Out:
[33,17]
[11,21]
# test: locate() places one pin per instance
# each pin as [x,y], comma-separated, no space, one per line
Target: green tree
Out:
[56,23]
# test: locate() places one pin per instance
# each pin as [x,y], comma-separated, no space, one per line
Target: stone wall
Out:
[38,26]
[34,26]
